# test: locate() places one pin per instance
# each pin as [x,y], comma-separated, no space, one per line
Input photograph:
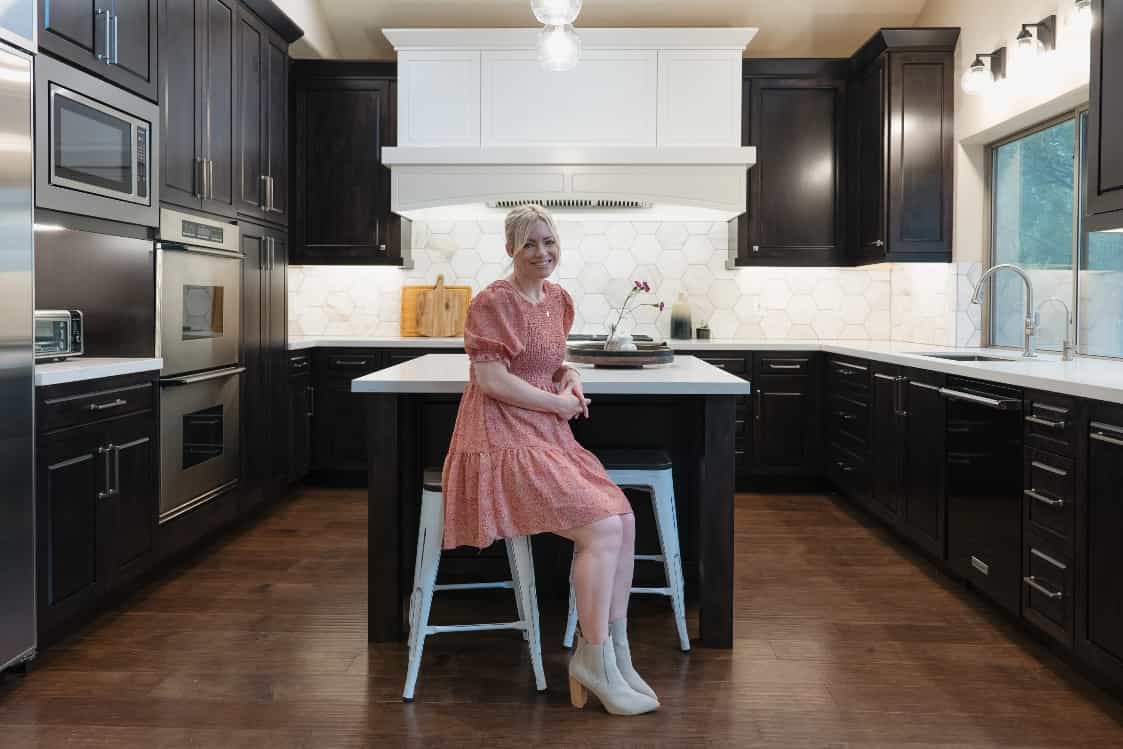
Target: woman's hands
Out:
[570,405]
[571,386]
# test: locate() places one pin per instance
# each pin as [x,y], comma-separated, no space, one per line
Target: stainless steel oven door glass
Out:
[96,149]
[200,308]
[52,334]
[200,455]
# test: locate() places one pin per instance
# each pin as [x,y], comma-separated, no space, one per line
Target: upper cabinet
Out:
[197,101]
[261,121]
[1105,112]
[343,115]
[794,214]
[113,39]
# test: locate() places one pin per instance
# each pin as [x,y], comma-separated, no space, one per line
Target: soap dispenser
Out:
[681,325]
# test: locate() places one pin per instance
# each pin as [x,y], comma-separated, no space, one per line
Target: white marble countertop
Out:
[448,373]
[1086,377]
[81,368]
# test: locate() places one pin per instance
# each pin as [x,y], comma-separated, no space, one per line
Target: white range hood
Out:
[647,126]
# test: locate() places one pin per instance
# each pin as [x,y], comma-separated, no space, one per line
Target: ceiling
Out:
[791,28]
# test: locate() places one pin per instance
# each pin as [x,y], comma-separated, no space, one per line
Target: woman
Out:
[514,468]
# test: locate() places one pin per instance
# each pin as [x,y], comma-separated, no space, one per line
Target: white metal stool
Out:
[649,470]
[430,533]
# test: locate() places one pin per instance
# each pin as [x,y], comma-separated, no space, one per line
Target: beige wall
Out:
[308,15]
[1029,95]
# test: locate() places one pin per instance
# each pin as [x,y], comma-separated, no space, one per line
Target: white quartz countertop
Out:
[448,373]
[80,369]
[1098,379]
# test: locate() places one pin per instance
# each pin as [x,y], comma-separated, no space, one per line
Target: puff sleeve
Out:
[493,330]
[567,311]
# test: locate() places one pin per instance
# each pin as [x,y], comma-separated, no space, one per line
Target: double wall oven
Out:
[199,276]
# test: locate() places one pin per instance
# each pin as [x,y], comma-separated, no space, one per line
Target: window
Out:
[1034,177]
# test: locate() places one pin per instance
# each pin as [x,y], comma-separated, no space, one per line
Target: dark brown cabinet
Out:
[738,363]
[901,178]
[1105,112]
[924,501]
[785,414]
[888,441]
[261,121]
[265,356]
[342,117]
[794,214]
[1100,614]
[197,102]
[113,39]
[96,495]
[301,409]
[339,426]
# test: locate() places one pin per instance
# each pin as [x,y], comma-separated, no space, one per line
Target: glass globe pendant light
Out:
[556,12]
[977,77]
[559,48]
[1082,15]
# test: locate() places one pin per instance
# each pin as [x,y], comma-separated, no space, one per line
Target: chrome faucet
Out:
[1031,319]
[1068,351]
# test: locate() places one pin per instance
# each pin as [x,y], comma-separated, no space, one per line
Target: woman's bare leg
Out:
[595,558]
[625,566]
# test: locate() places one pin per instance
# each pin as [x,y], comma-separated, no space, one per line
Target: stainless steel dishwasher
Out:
[984,487]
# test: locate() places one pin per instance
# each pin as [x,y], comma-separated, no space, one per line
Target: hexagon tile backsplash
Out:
[599,260]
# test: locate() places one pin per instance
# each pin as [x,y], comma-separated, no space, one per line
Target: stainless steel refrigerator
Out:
[17,359]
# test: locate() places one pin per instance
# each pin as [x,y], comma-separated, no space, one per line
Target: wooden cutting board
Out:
[434,311]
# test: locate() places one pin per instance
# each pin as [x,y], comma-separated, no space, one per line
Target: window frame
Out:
[987,319]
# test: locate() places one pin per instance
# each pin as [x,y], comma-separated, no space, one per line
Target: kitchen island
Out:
[688,408]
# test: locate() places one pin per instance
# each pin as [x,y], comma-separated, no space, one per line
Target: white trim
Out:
[744,156]
[591,38]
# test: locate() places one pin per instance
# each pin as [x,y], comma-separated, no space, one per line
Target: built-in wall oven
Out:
[94,146]
[199,275]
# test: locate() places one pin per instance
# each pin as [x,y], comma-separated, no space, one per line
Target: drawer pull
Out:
[1099,435]
[881,376]
[1048,559]
[1031,581]
[1049,469]
[784,366]
[850,368]
[107,451]
[844,467]
[980,565]
[349,362]
[1045,422]
[845,416]
[1049,501]
[117,403]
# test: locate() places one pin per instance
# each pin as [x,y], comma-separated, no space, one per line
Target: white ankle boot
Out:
[618,633]
[593,669]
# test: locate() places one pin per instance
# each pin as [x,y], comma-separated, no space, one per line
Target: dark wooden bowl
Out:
[646,354]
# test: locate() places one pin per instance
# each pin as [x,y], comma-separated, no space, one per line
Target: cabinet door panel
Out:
[925,503]
[276,87]
[276,357]
[255,279]
[300,426]
[780,436]
[134,49]
[1105,112]
[794,216]
[218,96]
[1104,525]
[869,172]
[179,99]
[134,468]
[340,427]
[250,127]
[73,22]
[888,444]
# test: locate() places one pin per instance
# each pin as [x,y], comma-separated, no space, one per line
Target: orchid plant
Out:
[630,305]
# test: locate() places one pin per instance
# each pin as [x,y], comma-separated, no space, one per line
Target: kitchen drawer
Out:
[780,364]
[1047,587]
[848,470]
[352,363]
[1050,493]
[733,363]
[1052,422]
[850,417]
[299,363]
[89,406]
[391,357]
[850,375]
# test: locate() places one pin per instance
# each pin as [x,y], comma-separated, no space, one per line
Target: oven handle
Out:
[1003,404]
[192,379]
[181,247]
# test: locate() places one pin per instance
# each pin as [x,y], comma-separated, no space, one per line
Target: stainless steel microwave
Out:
[94,146]
[58,334]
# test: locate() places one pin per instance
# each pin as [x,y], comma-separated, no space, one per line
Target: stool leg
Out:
[571,619]
[663,497]
[429,540]
[509,543]
[523,573]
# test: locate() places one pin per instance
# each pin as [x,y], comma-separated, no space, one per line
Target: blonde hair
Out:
[520,223]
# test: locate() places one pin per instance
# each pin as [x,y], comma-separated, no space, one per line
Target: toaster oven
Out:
[58,334]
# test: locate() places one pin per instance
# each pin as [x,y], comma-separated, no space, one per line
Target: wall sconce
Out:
[1042,38]
[979,77]
[1082,15]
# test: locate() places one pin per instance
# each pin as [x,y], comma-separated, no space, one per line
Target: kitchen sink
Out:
[966,357]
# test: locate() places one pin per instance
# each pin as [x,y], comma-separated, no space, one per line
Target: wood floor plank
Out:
[844,638]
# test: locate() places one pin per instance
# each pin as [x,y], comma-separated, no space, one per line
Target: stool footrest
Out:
[653,591]
[435,629]
[649,558]
[506,585]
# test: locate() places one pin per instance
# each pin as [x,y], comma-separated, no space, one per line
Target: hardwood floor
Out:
[844,639]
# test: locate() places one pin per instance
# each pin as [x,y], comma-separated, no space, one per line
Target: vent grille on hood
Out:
[572,203]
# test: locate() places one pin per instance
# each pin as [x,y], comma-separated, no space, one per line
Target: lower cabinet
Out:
[301,409]
[785,415]
[923,501]
[96,496]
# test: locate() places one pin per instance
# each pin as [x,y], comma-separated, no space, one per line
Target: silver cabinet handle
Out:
[116,469]
[844,467]
[264,192]
[1004,404]
[1049,501]
[1045,422]
[99,13]
[192,379]
[924,385]
[1099,435]
[846,415]
[106,450]
[1048,468]
[209,184]
[200,178]
[784,366]
[349,362]
[1048,559]
[881,376]
[106,406]
[1031,581]
[311,400]
[116,40]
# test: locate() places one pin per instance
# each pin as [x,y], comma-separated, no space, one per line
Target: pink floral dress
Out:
[511,471]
